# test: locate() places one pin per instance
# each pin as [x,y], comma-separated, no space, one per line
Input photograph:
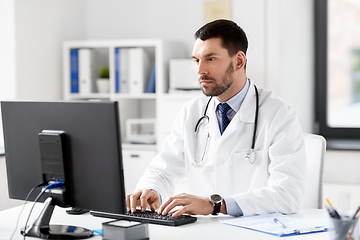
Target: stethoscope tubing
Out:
[256,118]
[255,123]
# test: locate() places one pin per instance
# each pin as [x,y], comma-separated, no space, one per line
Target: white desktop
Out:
[206,227]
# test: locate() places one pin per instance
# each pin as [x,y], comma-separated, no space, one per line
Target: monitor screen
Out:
[93,161]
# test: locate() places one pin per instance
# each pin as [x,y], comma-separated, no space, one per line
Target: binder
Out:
[139,70]
[124,70]
[151,84]
[85,71]
[74,71]
[117,70]
[266,224]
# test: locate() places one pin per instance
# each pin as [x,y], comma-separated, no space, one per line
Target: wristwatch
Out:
[216,200]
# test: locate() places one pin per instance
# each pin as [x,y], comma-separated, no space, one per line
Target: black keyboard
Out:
[148,217]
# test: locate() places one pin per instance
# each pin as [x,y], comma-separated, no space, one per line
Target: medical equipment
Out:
[250,156]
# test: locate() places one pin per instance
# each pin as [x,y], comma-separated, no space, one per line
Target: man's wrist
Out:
[217,201]
[223,209]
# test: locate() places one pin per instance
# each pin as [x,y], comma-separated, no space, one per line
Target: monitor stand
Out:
[42,229]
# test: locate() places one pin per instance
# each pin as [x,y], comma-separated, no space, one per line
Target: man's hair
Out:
[233,38]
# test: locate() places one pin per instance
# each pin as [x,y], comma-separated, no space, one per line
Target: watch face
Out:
[216,198]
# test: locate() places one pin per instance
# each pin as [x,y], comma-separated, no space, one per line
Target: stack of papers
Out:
[266,224]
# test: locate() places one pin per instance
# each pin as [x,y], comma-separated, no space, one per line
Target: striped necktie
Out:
[224,108]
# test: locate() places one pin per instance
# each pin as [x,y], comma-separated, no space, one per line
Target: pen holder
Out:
[344,229]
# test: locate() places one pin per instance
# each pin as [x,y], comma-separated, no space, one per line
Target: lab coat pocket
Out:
[249,173]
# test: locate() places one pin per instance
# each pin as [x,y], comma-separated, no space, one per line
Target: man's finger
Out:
[174,203]
[154,206]
[165,204]
[182,210]
[143,201]
[133,200]
[128,203]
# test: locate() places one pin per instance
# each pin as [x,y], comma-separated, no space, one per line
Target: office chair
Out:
[315,152]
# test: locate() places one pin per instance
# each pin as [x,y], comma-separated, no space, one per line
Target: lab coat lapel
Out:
[214,130]
[248,107]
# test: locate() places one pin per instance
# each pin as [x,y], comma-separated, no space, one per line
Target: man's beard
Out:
[218,89]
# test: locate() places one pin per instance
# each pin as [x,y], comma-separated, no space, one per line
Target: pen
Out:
[356,212]
[333,213]
[280,223]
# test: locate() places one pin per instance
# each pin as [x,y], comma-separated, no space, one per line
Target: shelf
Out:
[92,96]
[113,43]
[134,96]
[129,146]
[107,96]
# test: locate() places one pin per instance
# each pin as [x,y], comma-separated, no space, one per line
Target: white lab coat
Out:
[274,183]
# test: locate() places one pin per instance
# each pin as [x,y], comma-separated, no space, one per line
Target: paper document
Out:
[269,223]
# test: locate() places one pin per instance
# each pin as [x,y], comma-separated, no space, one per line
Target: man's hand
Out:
[143,198]
[186,204]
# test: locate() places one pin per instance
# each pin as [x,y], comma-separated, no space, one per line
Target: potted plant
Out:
[103,85]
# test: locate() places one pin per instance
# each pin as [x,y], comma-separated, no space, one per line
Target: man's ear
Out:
[240,59]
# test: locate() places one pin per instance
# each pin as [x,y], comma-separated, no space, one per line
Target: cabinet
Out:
[133,104]
[5,202]
[135,163]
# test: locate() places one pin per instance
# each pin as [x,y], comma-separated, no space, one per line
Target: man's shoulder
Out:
[270,99]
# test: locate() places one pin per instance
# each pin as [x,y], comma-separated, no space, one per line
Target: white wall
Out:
[290,55]
[7,55]
[7,50]
[41,27]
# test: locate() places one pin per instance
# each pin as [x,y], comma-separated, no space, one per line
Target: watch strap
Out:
[217,207]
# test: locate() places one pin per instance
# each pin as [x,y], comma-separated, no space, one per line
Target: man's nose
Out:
[202,69]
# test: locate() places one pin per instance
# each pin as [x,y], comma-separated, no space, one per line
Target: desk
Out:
[206,227]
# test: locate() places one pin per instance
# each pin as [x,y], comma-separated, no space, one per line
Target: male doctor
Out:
[241,152]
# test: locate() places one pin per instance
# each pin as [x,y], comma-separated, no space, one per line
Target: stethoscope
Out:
[250,155]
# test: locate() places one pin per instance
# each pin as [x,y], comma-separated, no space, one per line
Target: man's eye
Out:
[211,59]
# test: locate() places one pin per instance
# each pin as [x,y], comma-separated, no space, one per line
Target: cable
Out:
[57,184]
[26,199]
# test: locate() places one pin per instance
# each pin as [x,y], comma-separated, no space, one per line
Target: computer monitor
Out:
[77,142]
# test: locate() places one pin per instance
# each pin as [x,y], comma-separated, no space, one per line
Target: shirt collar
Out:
[236,101]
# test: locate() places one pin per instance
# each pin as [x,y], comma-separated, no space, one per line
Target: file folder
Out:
[266,224]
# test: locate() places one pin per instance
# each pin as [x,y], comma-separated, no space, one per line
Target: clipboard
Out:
[266,224]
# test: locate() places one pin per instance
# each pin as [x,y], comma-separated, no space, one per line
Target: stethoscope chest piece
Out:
[250,156]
